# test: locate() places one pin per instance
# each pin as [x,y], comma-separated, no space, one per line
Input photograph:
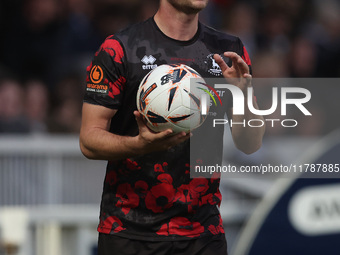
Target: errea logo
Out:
[148,62]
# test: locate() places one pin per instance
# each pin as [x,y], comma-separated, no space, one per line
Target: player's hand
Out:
[149,141]
[239,69]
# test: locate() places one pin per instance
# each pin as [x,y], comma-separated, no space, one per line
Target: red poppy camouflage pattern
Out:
[152,197]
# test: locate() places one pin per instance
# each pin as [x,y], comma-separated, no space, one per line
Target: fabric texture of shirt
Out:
[152,197]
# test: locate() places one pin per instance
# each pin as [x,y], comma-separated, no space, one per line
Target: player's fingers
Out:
[232,55]
[244,68]
[139,120]
[219,60]
[237,62]
[185,137]
[137,114]
[234,58]
[248,78]
[163,134]
[177,139]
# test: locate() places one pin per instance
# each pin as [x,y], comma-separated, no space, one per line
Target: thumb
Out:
[139,119]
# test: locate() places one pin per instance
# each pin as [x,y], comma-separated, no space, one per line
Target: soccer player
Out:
[150,205]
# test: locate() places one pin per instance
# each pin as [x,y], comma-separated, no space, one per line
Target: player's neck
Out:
[176,25]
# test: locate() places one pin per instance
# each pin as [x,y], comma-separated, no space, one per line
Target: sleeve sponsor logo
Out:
[97,88]
[96,76]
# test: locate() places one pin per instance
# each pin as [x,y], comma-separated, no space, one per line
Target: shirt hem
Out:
[160,238]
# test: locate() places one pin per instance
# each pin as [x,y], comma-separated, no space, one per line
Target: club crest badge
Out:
[212,66]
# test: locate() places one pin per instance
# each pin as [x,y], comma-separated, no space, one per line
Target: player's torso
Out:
[149,193]
[146,47]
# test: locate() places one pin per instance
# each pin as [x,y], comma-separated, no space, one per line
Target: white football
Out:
[170,96]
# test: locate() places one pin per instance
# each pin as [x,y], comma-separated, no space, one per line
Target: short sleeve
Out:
[106,76]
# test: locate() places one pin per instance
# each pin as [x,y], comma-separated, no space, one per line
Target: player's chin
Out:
[196,6]
[194,9]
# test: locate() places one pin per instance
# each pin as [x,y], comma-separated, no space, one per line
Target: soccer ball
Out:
[168,97]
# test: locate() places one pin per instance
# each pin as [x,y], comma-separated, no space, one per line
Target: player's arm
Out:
[247,139]
[96,142]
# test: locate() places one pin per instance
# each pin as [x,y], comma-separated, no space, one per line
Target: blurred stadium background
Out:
[50,194]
